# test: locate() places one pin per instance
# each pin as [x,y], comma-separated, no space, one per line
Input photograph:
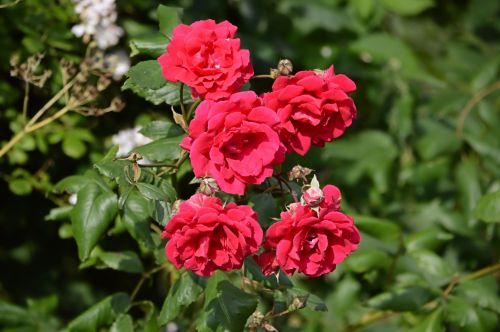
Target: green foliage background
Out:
[419,170]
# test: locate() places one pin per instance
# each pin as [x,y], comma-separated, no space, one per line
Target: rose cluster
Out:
[237,138]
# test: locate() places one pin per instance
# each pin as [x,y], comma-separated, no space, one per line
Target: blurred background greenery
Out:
[420,156]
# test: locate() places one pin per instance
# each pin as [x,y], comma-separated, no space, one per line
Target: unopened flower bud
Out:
[299,172]
[208,186]
[313,197]
[285,67]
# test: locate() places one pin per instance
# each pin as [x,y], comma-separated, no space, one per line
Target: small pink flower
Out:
[206,56]
[204,236]
[313,107]
[234,141]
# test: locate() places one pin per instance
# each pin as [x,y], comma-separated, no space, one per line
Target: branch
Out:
[376,315]
[480,95]
[146,275]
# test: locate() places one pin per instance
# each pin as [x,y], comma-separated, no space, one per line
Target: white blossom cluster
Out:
[98,19]
[128,139]
[118,64]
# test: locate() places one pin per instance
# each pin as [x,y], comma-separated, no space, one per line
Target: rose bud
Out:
[313,197]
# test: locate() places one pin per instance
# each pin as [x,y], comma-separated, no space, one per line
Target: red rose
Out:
[332,197]
[308,241]
[234,141]
[204,236]
[206,56]
[313,107]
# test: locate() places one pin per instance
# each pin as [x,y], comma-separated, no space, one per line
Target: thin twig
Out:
[7,5]
[471,103]
[377,315]
[25,101]
[146,275]
[52,101]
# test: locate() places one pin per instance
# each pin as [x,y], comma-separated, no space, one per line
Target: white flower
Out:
[117,63]
[98,19]
[72,199]
[172,327]
[128,139]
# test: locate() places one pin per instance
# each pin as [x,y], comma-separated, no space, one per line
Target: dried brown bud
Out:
[299,172]
[285,67]
[298,303]
[208,186]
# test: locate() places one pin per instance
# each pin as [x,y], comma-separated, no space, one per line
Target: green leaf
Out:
[407,7]
[73,146]
[72,184]
[20,187]
[488,207]
[91,216]
[265,206]
[367,260]
[162,212]
[431,267]
[429,238]
[151,45]
[405,299]
[433,323]
[123,323]
[101,314]
[363,7]
[59,213]
[146,80]
[482,292]
[311,301]
[168,18]
[394,51]
[12,315]
[153,192]
[467,179]
[227,305]
[378,151]
[469,318]
[126,261]
[135,217]
[486,74]
[113,169]
[161,129]
[436,140]
[382,229]
[161,150]
[185,291]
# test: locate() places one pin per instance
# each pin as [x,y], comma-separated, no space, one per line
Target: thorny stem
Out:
[376,315]
[472,102]
[192,108]
[145,276]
